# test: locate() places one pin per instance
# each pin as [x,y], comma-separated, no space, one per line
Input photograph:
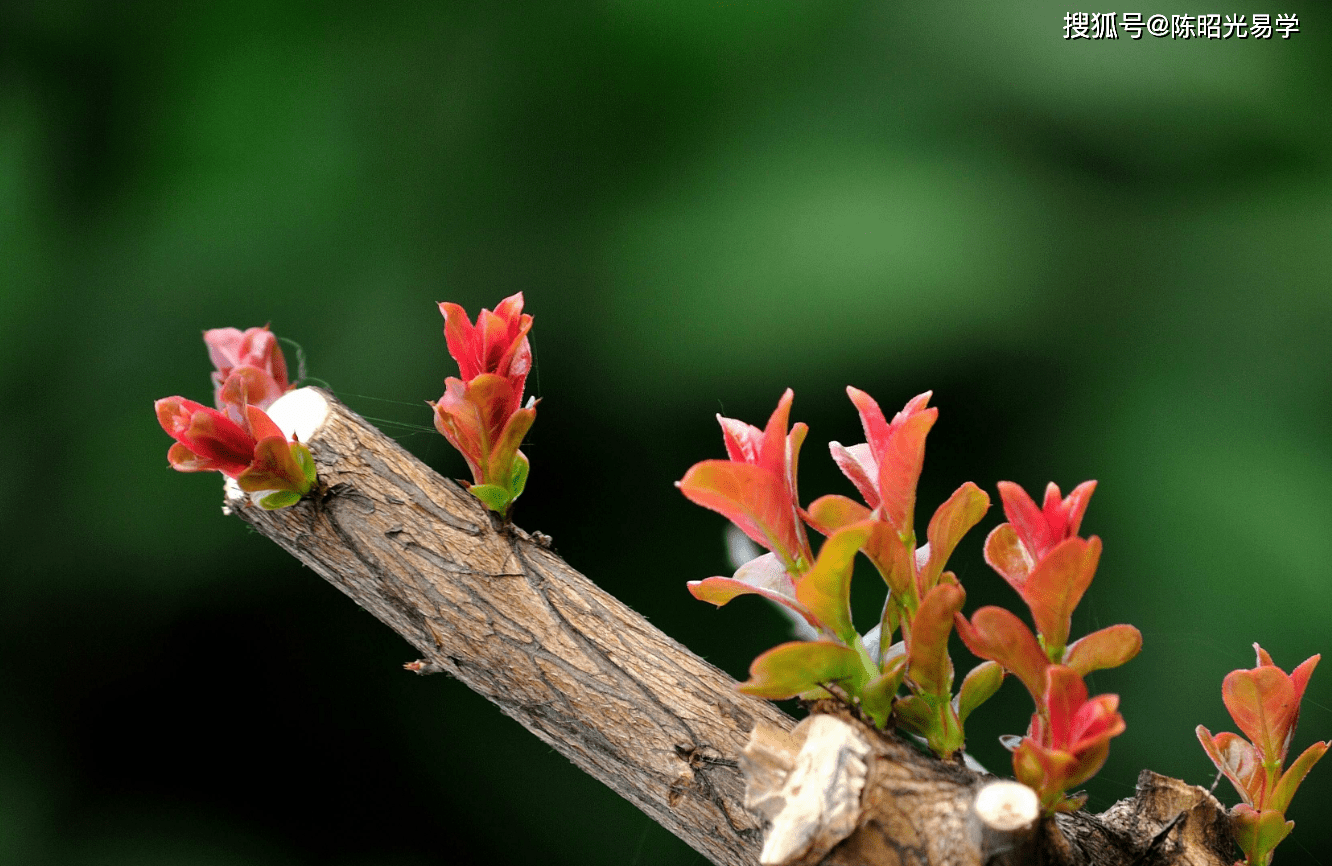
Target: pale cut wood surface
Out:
[514,622]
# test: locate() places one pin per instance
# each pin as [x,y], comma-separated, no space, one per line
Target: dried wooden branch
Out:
[502,613]
[494,607]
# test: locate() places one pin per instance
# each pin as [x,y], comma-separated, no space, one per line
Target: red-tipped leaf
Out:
[1056,585]
[857,464]
[951,521]
[1005,554]
[1235,757]
[1108,648]
[1262,702]
[751,497]
[995,634]
[928,664]
[765,576]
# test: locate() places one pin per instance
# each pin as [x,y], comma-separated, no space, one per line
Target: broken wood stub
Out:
[837,792]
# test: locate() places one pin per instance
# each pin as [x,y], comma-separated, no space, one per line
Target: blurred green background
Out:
[1109,260]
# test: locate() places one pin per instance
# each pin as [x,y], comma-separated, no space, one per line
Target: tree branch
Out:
[492,606]
[514,622]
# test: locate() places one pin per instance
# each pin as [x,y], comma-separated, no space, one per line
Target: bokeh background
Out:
[1109,260]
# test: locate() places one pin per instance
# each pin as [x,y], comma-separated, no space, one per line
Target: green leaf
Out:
[792,668]
[978,686]
[914,715]
[518,474]
[887,626]
[826,589]
[1290,780]
[493,496]
[876,699]
[280,499]
[306,462]
[1258,833]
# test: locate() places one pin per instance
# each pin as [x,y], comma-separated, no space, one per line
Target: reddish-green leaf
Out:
[1070,509]
[1108,648]
[1043,770]
[1087,763]
[1006,555]
[794,440]
[928,664]
[1073,722]
[275,467]
[791,668]
[915,715]
[1065,694]
[876,698]
[857,464]
[898,449]
[182,459]
[765,576]
[950,523]
[751,497]
[1040,529]
[827,514]
[261,426]
[505,450]
[825,590]
[773,451]
[899,469]
[1263,704]
[1238,760]
[978,686]
[995,634]
[895,562]
[1299,678]
[1056,585]
[1235,757]
[882,546]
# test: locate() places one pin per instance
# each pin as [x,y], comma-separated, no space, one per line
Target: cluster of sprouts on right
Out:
[899,673]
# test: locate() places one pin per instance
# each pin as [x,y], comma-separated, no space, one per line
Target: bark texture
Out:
[492,606]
